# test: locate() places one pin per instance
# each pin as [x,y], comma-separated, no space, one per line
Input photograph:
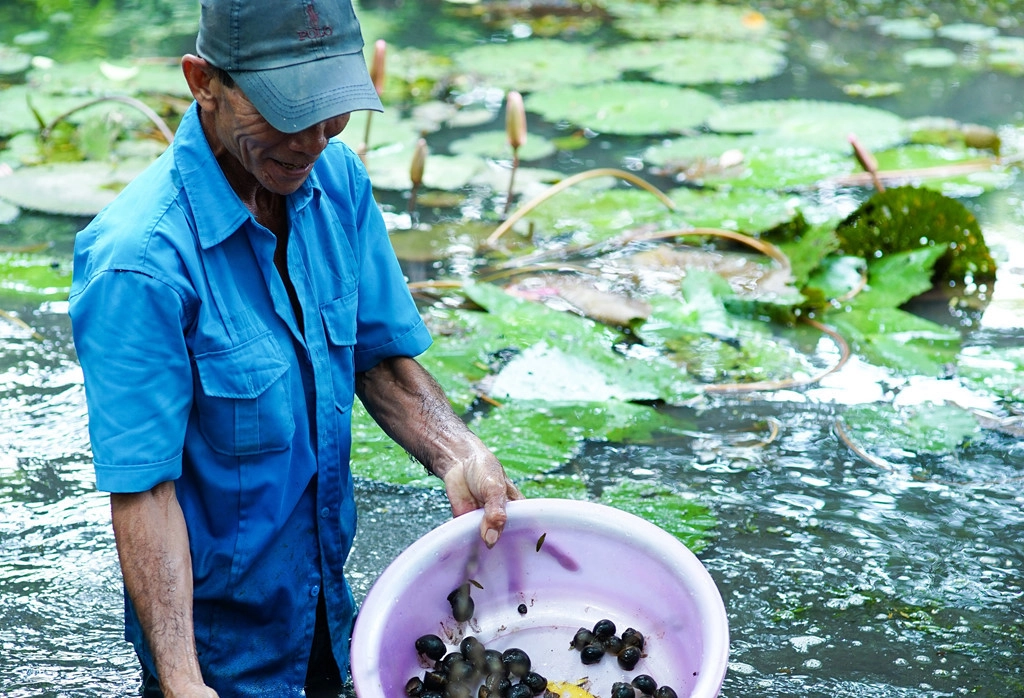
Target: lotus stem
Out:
[765,248]
[867,161]
[492,240]
[419,159]
[515,129]
[377,77]
[15,320]
[161,126]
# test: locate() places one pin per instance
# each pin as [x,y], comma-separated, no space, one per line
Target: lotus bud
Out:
[419,159]
[377,68]
[515,120]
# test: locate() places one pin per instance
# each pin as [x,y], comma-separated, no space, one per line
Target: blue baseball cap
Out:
[298,61]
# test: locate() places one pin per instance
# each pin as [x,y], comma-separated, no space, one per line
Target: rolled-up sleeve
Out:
[128,331]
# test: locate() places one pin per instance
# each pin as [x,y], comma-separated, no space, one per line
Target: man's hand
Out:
[413,410]
[189,690]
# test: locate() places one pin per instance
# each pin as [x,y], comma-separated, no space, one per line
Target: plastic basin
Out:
[594,562]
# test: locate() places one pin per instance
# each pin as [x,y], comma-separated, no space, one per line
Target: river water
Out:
[840,578]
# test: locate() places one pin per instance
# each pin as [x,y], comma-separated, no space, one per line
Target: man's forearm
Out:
[413,410]
[152,544]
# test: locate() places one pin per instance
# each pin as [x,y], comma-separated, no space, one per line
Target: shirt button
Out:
[314,591]
[324,512]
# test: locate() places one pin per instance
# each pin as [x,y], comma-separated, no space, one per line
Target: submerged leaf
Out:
[906,218]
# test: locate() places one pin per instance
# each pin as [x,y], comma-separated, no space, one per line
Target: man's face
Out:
[280,162]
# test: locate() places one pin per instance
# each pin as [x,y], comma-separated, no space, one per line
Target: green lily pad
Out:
[904,218]
[529,181]
[386,129]
[812,124]
[376,457]
[996,370]
[34,276]
[16,115]
[968,33]
[743,210]
[1007,61]
[71,189]
[13,63]
[439,240]
[869,89]
[920,429]
[912,28]
[922,157]
[898,340]
[704,20]
[8,212]
[896,278]
[533,64]
[685,61]
[684,517]
[625,108]
[930,57]
[99,78]
[494,144]
[435,115]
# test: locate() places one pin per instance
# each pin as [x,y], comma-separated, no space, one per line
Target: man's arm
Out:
[152,544]
[413,410]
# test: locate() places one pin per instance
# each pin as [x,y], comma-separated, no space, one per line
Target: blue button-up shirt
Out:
[196,371]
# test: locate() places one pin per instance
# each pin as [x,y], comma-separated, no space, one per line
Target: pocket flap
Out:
[244,371]
[340,319]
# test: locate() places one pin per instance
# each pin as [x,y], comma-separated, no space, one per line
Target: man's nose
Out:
[311,141]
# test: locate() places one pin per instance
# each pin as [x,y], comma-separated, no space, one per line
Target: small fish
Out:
[540,541]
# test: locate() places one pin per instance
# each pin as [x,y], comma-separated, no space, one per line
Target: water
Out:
[840,577]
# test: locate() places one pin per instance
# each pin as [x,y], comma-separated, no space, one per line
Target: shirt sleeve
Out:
[388,321]
[128,332]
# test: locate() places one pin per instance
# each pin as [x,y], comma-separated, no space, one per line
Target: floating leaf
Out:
[697,61]
[925,428]
[930,57]
[896,278]
[70,189]
[625,108]
[494,144]
[555,486]
[812,124]
[13,63]
[743,210]
[705,20]
[533,64]
[905,218]
[898,340]
[968,33]
[376,457]
[913,28]
[8,212]
[684,517]
[995,370]
[33,276]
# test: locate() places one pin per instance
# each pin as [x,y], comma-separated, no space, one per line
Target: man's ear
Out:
[199,76]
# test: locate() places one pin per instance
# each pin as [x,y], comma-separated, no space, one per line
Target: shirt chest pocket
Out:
[339,318]
[243,398]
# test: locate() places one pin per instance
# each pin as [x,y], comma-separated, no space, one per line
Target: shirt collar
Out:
[217,210]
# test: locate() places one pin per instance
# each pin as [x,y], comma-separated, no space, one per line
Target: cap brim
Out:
[297,96]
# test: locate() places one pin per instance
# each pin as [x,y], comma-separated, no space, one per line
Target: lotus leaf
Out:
[13,63]
[438,241]
[697,61]
[386,129]
[927,163]
[579,216]
[968,33]
[434,115]
[16,115]
[92,78]
[1007,61]
[898,340]
[899,219]
[995,370]
[930,57]
[682,516]
[625,108]
[529,182]
[896,278]
[554,485]
[8,212]
[31,38]
[494,144]
[742,210]
[869,89]
[70,189]
[812,124]
[913,28]
[920,429]
[533,64]
[704,20]
[31,275]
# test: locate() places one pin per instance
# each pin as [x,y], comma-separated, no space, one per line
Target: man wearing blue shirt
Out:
[227,308]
